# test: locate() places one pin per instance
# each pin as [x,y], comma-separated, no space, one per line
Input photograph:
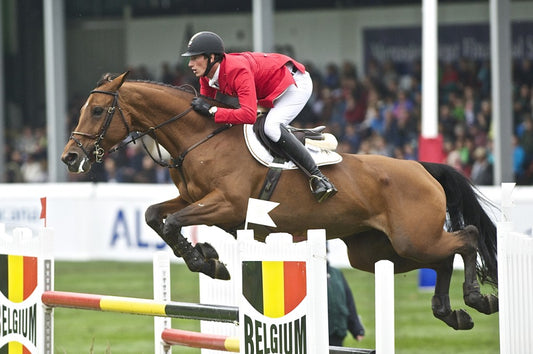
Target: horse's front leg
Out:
[155,217]
[213,209]
[156,214]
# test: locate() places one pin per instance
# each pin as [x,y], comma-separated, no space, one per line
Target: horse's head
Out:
[102,124]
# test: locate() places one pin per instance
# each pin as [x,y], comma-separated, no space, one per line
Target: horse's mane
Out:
[108,77]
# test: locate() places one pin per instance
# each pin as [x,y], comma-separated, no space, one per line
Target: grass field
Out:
[417,331]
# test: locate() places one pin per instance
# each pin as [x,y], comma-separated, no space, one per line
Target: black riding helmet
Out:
[206,43]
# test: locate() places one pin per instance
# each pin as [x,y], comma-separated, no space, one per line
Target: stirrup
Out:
[328,191]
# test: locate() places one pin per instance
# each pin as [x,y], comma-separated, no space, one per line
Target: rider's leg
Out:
[286,108]
[321,187]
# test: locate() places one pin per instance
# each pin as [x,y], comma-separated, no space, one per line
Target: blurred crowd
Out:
[378,112]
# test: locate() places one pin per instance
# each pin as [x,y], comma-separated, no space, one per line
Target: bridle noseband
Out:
[98,150]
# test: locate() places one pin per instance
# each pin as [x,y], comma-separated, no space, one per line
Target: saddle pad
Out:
[260,153]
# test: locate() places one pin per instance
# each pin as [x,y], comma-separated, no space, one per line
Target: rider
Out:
[270,80]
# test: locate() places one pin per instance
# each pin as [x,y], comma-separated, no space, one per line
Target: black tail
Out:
[463,202]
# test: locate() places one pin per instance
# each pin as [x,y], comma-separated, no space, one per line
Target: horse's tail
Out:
[463,203]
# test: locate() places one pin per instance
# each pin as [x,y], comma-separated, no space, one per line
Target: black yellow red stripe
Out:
[140,306]
[18,276]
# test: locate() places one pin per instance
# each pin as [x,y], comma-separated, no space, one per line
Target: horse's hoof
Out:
[463,320]
[487,304]
[206,250]
[219,269]
[493,303]
[215,269]
[458,320]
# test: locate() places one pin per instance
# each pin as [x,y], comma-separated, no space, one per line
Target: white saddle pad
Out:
[319,150]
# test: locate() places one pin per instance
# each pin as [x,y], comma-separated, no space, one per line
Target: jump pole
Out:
[137,306]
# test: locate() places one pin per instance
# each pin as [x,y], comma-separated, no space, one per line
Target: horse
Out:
[415,214]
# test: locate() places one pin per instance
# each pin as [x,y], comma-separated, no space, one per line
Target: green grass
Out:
[417,331]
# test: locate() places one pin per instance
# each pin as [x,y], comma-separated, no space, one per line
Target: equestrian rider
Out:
[270,80]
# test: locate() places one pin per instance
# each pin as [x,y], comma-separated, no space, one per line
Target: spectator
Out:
[342,312]
[446,122]
[483,77]
[332,78]
[449,80]
[526,138]
[523,72]
[352,137]
[481,169]
[34,169]
[167,76]
[356,102]
[522,104]
[14,168]
[519,161]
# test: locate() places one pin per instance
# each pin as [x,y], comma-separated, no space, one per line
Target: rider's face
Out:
[198,64]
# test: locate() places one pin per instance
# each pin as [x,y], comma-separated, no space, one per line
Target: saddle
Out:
[320,145]
[307,136]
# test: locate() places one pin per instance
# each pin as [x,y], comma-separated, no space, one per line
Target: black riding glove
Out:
[201,106]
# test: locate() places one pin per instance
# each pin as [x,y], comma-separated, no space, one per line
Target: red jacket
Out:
[255,79]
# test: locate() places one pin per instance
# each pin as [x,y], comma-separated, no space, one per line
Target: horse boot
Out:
[320,186]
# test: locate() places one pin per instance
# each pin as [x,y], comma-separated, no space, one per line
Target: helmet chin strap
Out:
[210,64]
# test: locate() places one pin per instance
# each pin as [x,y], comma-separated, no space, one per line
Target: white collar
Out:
[214,81]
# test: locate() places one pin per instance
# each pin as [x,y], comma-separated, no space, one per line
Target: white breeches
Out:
[288,105]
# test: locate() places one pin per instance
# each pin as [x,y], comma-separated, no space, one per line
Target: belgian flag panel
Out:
[18,276]
[18,280]
[274,288]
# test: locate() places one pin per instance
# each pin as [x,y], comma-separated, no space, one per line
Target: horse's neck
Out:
[157,106]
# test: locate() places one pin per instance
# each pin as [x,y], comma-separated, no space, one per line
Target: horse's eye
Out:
[97,111]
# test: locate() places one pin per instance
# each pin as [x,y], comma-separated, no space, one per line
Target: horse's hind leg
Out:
[471,290]
[440,303]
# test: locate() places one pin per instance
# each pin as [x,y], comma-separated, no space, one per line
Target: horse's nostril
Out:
[70,157]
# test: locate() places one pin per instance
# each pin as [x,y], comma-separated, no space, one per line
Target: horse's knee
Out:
[151,215]
[172,226]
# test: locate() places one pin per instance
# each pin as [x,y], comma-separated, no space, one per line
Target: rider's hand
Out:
[201,106]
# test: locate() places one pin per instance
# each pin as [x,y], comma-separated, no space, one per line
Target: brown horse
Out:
[385,208]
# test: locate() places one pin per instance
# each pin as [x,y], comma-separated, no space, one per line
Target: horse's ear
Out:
[122,78]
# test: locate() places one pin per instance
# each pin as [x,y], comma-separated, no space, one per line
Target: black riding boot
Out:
[321,187]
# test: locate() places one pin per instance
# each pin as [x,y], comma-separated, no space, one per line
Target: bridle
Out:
[98,150]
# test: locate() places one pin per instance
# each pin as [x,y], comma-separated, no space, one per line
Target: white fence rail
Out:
[515,283]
